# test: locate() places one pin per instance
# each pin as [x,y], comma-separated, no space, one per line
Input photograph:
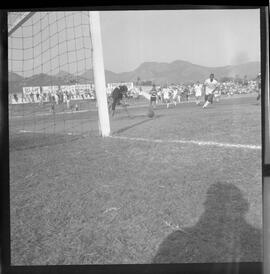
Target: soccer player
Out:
[166,96]
[68,95]
[258,80]
[198,92]
[179,91]
[217,93]
[159,95]
[153,98]
[174,95]
[52,104]
[186,92]
[56,98]
[117,96]
[210,86]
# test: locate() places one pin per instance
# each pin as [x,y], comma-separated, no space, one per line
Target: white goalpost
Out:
[99,75]
[96,53]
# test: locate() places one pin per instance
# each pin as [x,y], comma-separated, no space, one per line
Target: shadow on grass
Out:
[221,234]
[136,124]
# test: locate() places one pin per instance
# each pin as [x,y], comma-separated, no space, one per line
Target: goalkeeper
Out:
[117,96]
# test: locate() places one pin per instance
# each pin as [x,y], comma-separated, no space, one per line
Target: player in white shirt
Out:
[175,95]
[68,97]
[166,96]
[179,91]
[210,86]
[56,97]
[198,92]
[64,98]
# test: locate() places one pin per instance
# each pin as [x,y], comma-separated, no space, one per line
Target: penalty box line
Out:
[199,143]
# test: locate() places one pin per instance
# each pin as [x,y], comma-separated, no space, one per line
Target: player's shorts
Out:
[209,98]
[153,98]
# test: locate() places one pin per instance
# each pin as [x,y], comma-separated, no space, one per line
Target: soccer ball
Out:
[150,113]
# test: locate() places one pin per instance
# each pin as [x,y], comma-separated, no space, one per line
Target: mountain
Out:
[160,73]
[182,71]
[109,76]
[14,77]
[178,72]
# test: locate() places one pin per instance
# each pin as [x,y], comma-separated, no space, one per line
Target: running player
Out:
[210,85]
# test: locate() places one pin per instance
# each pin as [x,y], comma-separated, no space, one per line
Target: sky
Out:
[204,37]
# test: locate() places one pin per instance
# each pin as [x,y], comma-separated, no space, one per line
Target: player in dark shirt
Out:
[153,98]
[117,97]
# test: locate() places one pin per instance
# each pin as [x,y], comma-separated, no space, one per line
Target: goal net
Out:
[51,82]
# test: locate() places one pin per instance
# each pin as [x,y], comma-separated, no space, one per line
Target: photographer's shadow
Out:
[221,234]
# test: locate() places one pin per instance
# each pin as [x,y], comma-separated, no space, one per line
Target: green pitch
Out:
[161,190]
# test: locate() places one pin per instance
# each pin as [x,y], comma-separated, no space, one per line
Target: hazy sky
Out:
[57,41]
[204,37]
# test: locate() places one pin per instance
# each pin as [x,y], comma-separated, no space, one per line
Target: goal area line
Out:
[199,143]
[149,140]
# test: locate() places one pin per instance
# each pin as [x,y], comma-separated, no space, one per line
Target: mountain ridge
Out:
[175,72]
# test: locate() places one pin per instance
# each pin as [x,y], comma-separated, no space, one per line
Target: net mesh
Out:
[51,90]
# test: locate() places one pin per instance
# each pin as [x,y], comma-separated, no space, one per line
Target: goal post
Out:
[99,75]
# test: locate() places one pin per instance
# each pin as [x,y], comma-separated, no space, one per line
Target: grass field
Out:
[184,186]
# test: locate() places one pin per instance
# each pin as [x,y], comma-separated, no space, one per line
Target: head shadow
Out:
[220,235]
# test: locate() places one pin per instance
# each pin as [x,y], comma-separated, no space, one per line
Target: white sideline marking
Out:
[30,131]
[200,143]
[37,131]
